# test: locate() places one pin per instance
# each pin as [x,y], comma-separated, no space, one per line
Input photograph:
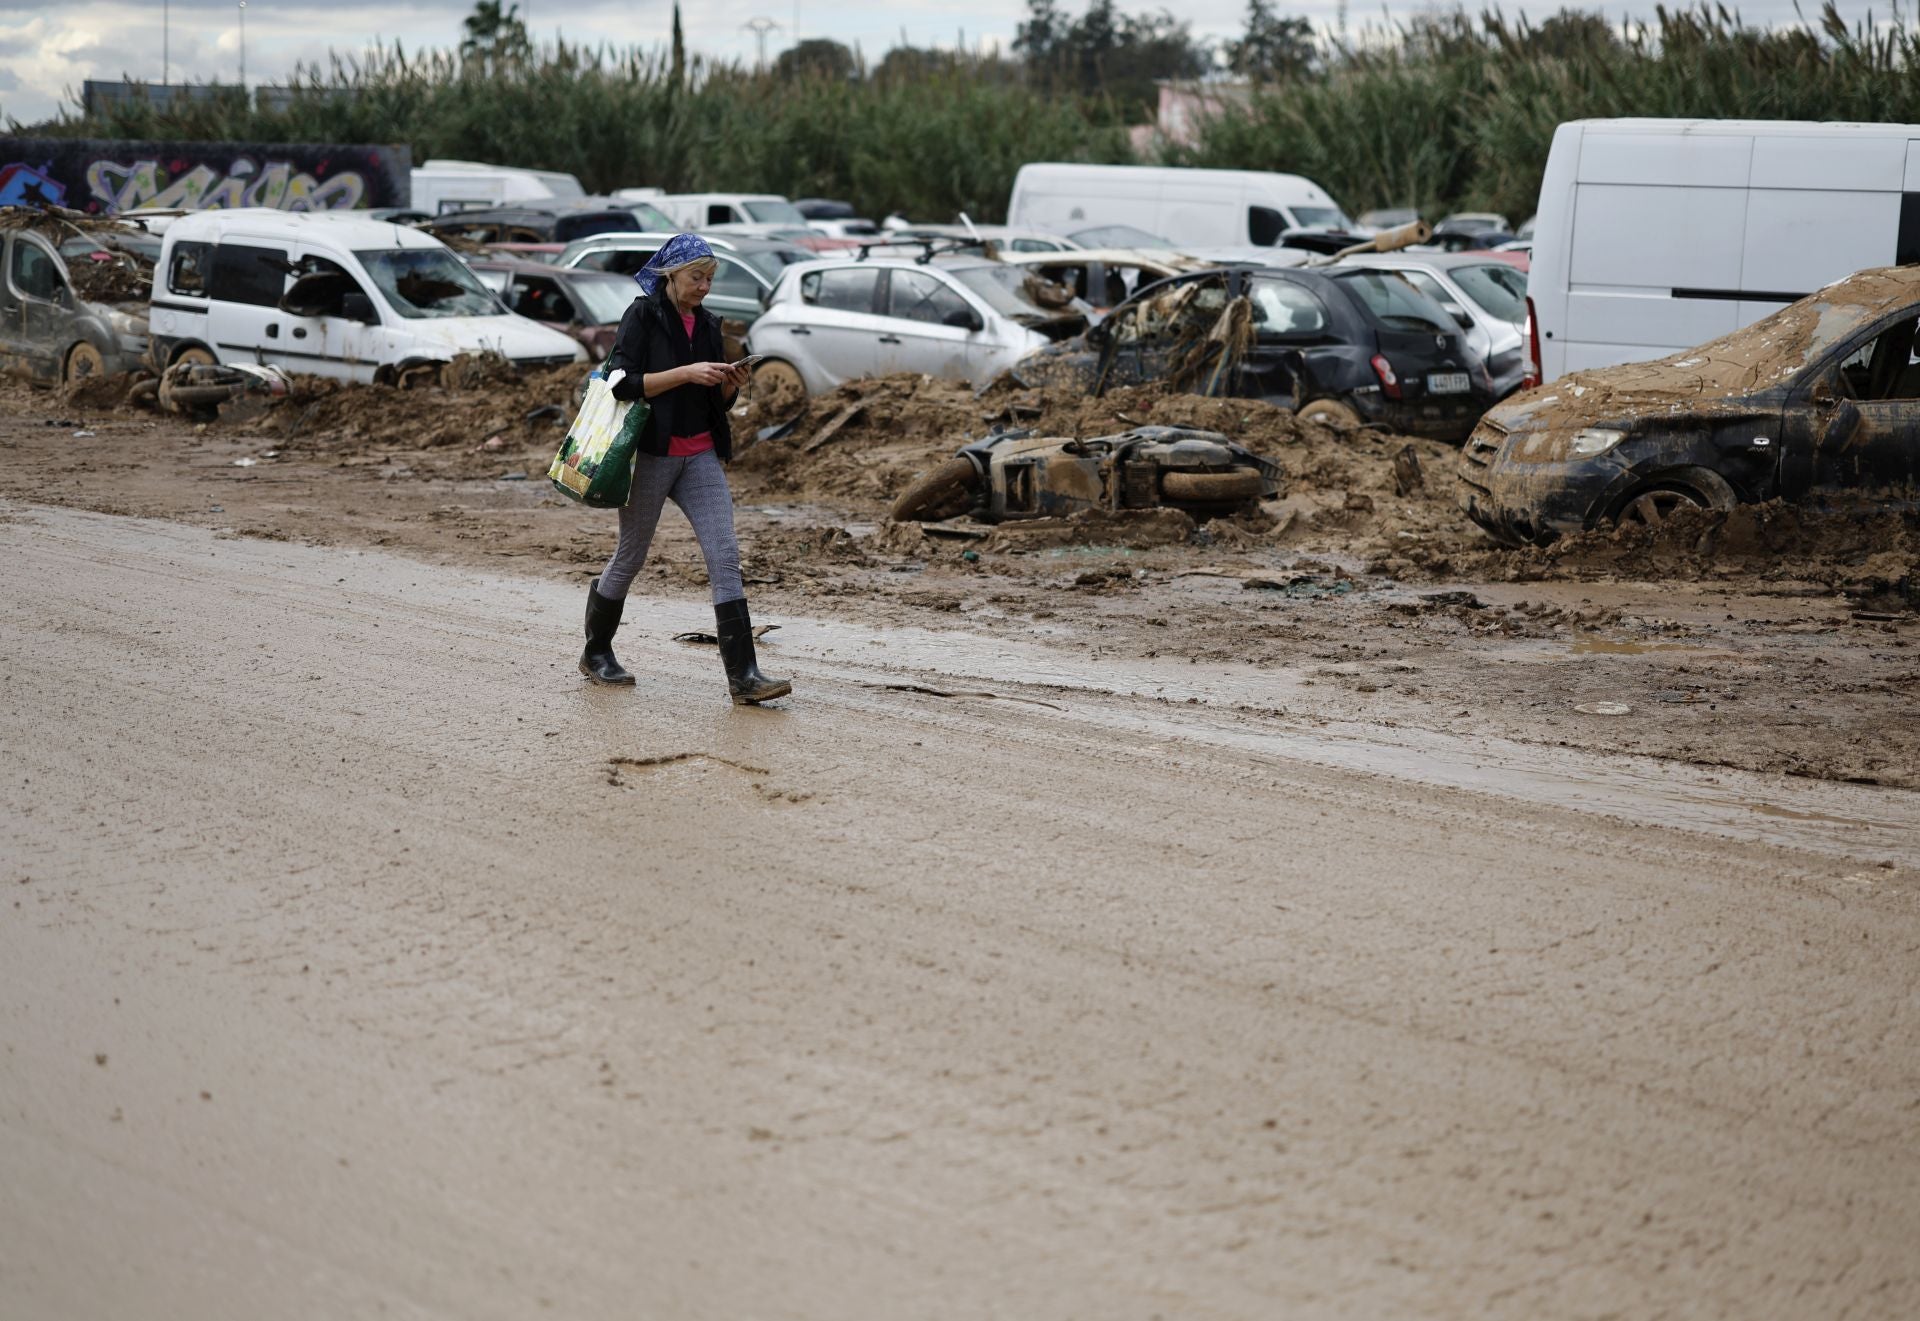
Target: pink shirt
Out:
[681,447]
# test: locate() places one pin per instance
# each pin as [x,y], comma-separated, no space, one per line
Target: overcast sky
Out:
[47,47]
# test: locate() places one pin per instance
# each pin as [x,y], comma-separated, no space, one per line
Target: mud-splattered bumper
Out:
[1520,503]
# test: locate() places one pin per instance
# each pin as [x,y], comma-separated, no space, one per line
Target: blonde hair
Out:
[712,264]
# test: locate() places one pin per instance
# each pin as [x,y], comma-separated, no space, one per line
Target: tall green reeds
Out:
[1446,112]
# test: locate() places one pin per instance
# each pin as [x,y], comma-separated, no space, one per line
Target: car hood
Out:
[511,336]
[1719,376]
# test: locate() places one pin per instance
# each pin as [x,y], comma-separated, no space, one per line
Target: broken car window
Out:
[188,272]
[428,282]
[1884,367]
[319,288]
[34,272]
[1281,307]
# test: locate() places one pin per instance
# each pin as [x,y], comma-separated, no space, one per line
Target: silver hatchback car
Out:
[959,318]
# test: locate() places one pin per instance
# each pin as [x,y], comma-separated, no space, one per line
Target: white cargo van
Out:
[691,211]
[1187,207]
[330,293]
[1655,235]
[441,186]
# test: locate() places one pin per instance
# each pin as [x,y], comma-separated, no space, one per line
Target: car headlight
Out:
[1594,440]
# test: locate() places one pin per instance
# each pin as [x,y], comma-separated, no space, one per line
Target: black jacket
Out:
[653,338]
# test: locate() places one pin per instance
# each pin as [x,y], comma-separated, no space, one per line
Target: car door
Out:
[838,327]
[1854,434]
[245,285]
[928,327]
[37,307]
[1139,340]
[315,334]
[1288,320]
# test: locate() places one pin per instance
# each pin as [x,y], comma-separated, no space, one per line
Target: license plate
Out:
[1447,383]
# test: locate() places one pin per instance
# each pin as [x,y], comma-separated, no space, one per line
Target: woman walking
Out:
[670,348]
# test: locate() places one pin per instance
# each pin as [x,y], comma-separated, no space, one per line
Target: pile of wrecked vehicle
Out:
[74,303]
[1016,475]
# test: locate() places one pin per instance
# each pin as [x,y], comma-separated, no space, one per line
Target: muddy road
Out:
[358,960]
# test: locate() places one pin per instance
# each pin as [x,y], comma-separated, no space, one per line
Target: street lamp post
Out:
[243,47]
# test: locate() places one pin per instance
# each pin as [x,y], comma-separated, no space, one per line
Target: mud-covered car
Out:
[1819,402]
[1337,345]
[49,333]
[1018,475]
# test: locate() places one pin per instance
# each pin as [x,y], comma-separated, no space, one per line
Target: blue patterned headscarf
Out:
[679,250]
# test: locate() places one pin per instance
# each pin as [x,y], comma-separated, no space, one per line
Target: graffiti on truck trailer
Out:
[105,177]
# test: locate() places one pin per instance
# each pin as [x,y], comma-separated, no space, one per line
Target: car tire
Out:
[1330,413]
[197,354]
[777,379]
[946,492]
[1232,487]
[83,360]
[1650,505]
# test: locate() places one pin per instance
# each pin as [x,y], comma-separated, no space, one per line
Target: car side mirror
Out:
[964,318]
[358,307]
[1459,315]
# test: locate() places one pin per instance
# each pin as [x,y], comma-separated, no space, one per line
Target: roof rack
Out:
[929,247]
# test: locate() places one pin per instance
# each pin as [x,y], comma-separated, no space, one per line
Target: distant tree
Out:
[1272,47]
[1108,52]
[1572,34]
[494,35]
[1038,39]
[816,57]
[677,76]
[905,63]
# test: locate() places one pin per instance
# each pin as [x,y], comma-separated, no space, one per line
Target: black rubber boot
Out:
[603,621]
[745,683]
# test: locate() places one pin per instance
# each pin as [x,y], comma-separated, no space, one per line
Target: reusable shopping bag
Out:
[595,462]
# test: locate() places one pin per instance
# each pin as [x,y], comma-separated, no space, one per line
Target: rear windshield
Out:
[428,282]
[1396,304]
[603,302]
[1496,286]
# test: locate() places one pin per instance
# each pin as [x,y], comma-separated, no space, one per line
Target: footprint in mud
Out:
[668,762]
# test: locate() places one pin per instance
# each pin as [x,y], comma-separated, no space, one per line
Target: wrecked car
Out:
[1819,402]
[1348,347]
[585,304]
[59,323]
[1017,475]
[958,318]
[1485,295]
[1100,278]
[331,294]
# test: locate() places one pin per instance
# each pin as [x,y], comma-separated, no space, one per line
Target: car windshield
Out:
[1320,217]
[602,302]
[1497,286]
[774,213]
[1396,304]
[428,282]
[1118,236]
[1001,287]
[650,217]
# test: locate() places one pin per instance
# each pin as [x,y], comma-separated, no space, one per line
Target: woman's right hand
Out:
[706,373]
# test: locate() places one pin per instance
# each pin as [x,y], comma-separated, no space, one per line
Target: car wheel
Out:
[1211,488]
[1330,413]
[1689,488]
[195,355]
[84,360]
[777,382]
[946,492]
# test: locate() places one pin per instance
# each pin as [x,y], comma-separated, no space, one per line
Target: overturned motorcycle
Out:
[1017,475]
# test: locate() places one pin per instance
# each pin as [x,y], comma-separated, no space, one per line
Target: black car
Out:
[1346,346]
[1819,402]
[545,222]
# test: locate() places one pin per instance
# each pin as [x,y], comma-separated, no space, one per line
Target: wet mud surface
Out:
[1774,641]
[351,940]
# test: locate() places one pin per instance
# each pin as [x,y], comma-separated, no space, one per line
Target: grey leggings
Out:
[698,484]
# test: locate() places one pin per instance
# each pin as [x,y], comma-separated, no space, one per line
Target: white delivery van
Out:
[441,186]
[1655,235]
[1187,207]
[329,293]
[698,211]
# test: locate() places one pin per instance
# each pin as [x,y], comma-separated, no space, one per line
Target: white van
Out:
[700,211]
[1655,235]
[1187,207]
[328,293]
[441,186]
